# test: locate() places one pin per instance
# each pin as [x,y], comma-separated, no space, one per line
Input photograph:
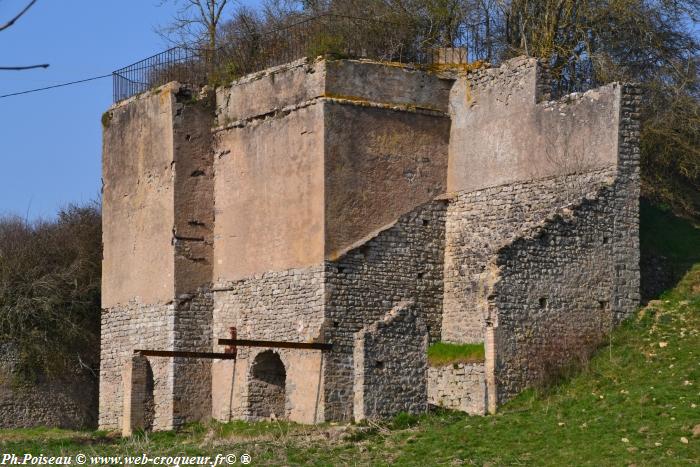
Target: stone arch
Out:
[267,393]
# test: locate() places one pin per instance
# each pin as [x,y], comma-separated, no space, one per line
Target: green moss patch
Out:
[443,353]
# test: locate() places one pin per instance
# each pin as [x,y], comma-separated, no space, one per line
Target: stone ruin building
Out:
[336,217]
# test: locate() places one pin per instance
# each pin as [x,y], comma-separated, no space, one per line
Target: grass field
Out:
[442,353]
[637,402]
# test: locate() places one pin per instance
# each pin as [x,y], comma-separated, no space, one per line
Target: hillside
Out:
[637,402]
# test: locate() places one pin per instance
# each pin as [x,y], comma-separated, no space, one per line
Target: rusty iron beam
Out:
[277,344]
[183,354]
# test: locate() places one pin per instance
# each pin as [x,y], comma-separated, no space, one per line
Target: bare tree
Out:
[196,22]
[8,25]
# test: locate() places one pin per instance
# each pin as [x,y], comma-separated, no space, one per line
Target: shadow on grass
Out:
[669,246]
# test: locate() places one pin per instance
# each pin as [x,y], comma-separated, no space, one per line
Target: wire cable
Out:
[55,86]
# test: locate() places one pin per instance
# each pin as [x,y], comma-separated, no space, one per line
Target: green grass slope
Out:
[637,402]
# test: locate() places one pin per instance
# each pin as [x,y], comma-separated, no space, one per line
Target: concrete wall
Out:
[269,194]
[137,200]
[386,85]
[391,366]
[193,200]
[354,147]
[380,163]
[458,386]
[501,132]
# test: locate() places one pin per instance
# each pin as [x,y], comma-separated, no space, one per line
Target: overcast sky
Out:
[50,141]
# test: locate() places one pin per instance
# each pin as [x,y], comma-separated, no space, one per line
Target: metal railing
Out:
[341,36]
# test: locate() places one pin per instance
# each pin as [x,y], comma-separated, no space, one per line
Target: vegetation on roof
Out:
[444,353]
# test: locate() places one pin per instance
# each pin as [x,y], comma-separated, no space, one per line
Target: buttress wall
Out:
[157,224]
[514,159]
[541,255]
[324,156]
[585,261]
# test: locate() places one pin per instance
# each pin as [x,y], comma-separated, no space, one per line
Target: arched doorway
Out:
[266,391]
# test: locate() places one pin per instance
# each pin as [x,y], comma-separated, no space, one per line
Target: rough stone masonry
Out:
[374,207]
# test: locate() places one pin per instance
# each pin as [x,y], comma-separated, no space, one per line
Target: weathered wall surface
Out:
[355,157]
[137,200]
[561,286]
[279,306]
[391,366]
[193,200]
[626,207]
[501,134]
[192,377]
[69,401]
[380,163]
[125,328]
[330,192]
[459,386]
[357,154]
[479,223]
[551,300]
[303,386]
[269,194]
[366,81]
[402,263]
[282,305]
[270,91]
[158,233]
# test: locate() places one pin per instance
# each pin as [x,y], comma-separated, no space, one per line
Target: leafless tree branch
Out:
[21,68]
[18,16]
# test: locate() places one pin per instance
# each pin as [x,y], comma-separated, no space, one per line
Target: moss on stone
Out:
[106,119]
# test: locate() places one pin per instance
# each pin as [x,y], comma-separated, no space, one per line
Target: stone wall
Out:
[65,401]
[341,189]
[551,296]
[124,329]
[481,222]
[626,295]
[158,222]
[403,262]
[138,384]
[390,365]
[561,286]
[192,377]
[503,132]
[278,306]
[458,386]
[235,386]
